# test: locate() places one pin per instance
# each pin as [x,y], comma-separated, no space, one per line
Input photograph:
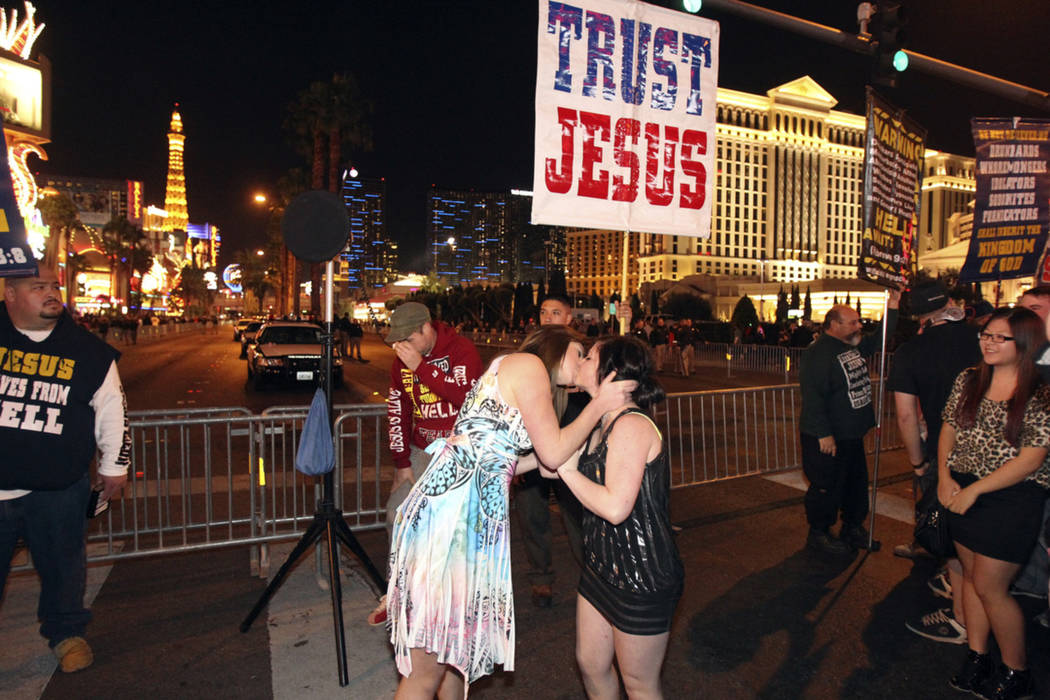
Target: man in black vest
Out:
[59,389]
[836,414]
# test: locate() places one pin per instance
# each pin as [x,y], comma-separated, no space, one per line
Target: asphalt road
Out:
[199,369]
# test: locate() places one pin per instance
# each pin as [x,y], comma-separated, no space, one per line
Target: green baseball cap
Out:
[406,320]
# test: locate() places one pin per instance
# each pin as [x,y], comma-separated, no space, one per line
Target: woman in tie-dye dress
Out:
[450,601]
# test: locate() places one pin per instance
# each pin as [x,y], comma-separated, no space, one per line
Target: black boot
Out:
[973,674]
[856,536]
[822,541]
[1010,684]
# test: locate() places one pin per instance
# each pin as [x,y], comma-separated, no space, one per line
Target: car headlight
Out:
[271,361]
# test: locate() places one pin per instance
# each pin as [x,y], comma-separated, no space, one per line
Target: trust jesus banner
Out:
[625,118]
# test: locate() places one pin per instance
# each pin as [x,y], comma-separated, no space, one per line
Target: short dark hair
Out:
[1042,290]
[630,358]
[557,297]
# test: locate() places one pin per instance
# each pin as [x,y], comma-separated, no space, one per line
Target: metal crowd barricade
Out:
[728,433]
[208,478]
[204,478]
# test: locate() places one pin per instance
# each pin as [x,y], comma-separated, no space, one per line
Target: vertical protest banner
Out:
[625,117]
[895,149]
[16,258]
[1012,205]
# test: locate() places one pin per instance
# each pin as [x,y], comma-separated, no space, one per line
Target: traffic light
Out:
[889,36]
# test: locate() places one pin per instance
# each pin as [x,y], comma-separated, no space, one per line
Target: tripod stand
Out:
[328,523]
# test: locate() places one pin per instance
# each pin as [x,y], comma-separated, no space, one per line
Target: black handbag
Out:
[931,526]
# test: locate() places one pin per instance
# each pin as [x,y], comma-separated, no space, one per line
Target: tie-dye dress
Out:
[450,588]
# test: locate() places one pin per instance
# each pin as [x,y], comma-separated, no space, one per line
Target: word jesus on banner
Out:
[625,118]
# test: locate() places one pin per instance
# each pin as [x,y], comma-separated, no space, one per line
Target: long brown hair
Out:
[1029,336]
[550,343]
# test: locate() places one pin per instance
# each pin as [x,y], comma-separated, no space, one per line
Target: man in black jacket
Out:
[59,389]
[836,414]
[924,370]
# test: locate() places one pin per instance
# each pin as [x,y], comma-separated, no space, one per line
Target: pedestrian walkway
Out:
[761,617]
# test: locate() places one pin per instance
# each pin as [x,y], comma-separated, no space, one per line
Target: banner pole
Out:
[874,546]
[624,321]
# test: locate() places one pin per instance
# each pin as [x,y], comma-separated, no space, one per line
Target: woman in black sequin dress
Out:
[632,577]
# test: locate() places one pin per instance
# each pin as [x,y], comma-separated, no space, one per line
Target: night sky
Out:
[452,81]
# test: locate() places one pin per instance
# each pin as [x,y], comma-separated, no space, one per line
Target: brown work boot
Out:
[542,596]
[73,654]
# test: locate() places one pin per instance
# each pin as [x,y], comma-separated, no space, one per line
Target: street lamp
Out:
[260,198]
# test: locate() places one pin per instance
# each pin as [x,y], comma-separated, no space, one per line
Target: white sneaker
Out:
[940,585]
[939,626]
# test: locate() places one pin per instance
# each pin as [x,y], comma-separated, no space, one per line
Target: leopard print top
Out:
[982,448]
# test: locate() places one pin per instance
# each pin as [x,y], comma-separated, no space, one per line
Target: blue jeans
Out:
[53,525]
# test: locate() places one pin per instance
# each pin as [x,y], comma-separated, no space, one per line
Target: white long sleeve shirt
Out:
[111,425]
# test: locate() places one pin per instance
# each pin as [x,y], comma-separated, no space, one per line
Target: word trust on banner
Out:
[1012,204]
[895,151]
[625,117]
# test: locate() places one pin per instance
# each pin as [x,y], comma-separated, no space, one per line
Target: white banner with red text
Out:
[625,118]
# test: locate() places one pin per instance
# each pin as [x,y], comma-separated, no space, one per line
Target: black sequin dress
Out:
[632,573]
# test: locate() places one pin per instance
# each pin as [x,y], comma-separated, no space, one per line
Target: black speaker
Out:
[315,226]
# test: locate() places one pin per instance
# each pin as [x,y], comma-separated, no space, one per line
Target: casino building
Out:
[788,207]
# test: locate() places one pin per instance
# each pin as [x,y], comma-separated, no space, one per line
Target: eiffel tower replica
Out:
[178,218]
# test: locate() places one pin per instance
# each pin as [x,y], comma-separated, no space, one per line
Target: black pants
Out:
[532,503]
[53,524]
[835,483]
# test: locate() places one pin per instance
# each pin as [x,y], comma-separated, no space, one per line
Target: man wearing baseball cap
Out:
[434,369]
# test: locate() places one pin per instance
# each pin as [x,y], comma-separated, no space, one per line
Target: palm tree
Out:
[61,216]
[128,251]
[191,295]
[335,111]
[258,273]
[289,186]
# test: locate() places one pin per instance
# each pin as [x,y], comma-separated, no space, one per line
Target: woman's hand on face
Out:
[613,394]
[962,501]
[946,490]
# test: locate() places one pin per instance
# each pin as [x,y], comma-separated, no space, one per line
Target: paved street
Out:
[761,617]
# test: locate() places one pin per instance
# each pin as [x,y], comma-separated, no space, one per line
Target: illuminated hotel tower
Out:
[175,196]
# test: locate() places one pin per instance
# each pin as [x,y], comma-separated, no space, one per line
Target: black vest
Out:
[47,425]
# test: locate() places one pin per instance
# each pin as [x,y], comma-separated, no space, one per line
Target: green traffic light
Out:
[692,5]
[900,61]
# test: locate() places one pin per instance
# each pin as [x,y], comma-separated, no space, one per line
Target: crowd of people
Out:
[974,413]
[572,411]
[973,408]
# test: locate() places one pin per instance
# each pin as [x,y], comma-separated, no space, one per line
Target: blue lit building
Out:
[468,238]
[538,248]
[370,257]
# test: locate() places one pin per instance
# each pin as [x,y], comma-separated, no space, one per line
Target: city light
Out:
[18,38]
[260,198]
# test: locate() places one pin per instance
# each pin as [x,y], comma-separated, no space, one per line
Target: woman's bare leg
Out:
[594,652]
[426,677]
[992,579]
[640,658]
